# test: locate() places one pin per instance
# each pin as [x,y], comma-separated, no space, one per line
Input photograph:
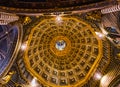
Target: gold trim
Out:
[72,9]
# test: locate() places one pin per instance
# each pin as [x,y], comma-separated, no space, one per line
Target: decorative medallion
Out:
[63,54]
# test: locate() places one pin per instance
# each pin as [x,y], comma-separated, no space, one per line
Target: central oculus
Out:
[60,45]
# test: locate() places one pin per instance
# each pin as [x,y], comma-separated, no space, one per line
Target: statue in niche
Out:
[7,78]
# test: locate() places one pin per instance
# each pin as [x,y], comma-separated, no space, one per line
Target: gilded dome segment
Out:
[63,54]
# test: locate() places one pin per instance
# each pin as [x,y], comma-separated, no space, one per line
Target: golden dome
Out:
[63,54]
[81,49]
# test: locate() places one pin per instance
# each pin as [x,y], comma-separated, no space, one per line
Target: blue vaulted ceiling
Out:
[8,40]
